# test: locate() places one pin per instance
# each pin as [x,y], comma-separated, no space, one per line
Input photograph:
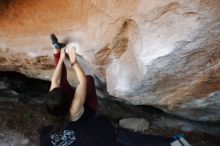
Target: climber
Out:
[74,111]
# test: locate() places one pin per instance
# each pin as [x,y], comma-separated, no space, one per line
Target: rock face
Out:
[163,53]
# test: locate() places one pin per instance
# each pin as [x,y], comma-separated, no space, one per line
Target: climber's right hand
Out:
[72,54]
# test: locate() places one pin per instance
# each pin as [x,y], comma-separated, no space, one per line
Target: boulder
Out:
[162,53]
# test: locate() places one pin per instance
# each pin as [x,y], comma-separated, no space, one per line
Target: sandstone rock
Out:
[162,53]
[136,124]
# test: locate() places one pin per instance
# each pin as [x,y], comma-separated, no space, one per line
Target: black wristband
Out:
[73,63]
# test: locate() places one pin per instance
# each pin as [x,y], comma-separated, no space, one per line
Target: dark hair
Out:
[58,105]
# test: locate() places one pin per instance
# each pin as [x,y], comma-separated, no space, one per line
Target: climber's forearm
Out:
[80,74]
[56,78]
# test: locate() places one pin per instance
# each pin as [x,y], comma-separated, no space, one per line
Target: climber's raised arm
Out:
[56,78]
[77,109]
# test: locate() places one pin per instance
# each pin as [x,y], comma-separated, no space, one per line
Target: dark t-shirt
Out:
[89,130]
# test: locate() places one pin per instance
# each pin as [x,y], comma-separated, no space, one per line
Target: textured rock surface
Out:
[163,53]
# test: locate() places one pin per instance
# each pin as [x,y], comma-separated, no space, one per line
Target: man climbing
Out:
[74,110]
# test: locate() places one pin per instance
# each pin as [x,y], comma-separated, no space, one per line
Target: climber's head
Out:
[58,103]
